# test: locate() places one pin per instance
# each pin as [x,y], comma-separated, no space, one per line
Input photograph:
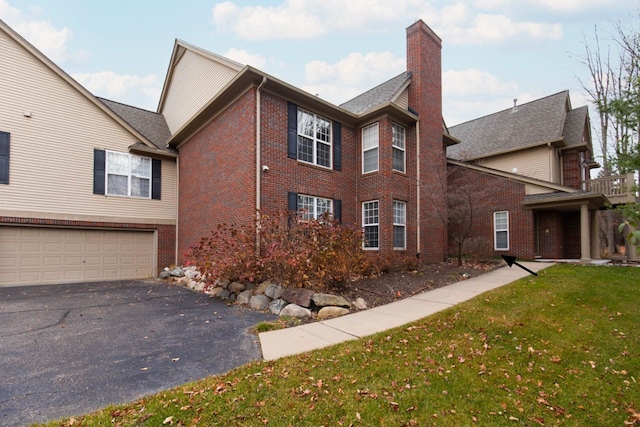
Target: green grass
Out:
[559,349]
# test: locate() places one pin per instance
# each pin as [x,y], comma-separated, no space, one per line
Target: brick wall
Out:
[166,233]
[571,170]
[491,194]
[550,232]
[217,174]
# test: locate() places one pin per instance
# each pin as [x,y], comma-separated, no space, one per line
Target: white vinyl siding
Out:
[194,82]
[501,230]
[399,225]
[370,148]
[533,163]
[52,151]
[371,224]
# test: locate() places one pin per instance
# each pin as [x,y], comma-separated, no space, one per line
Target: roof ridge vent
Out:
[515,106]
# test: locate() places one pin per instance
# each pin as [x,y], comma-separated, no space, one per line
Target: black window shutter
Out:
[337,210]
[4,158]
[292,199]
[156,178]
[292,131]
[337,146]
[99,160]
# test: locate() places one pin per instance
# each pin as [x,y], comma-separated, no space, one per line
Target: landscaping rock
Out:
[332,311]
[220,293]
[262,287]
[294,310]
[191,274]
[277,305]
[324,300]
[244,297]
[360,304]
[165,274]
[260,302]
[273,291]
[176,272]
[298,296]
[236,287]
[222,283]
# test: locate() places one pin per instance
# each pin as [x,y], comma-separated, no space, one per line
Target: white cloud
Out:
[244,57]
[41,33]
[474,81]
[460,111]
[352,75]
[136,90]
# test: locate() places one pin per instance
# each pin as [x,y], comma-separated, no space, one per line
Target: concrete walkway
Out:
[290,341]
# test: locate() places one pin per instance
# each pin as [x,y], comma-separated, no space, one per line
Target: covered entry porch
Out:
[566,225]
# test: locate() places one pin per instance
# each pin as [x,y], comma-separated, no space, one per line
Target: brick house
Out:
[543,150]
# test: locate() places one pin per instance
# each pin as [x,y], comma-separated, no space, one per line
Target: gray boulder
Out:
[262,287]
[260,302]
[294,310]
[277,305]
[220,293]
[324,300]
[360,304]
[273,291]
[331,311]
[298,296]
[236,287]
[165,274]
[176,272]
[244,297]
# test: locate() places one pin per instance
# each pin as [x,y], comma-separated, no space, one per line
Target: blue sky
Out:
[493,50]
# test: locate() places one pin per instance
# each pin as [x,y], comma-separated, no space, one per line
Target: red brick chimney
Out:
[425,97]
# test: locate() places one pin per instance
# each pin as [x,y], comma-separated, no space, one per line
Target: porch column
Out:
[595,236]
[631,250]
[585,243]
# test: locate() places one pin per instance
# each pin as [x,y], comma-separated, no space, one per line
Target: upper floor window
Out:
[399,225]
[313,207]
[501,230]
[4,157]
[371,225]
[399,157]
[314,139]
[128,175]
[370,143]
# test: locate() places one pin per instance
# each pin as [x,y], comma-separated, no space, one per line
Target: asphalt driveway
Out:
[70,349]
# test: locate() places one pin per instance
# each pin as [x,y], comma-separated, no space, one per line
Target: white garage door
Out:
[34,255]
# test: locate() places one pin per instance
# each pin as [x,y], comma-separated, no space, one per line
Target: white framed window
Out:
[370,140]
[399,143]
[371,225]
[314,139]
[501,230]
[399,225]
[313,207]
[128,175]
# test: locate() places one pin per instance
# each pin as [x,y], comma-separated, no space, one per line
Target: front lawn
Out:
[559,349]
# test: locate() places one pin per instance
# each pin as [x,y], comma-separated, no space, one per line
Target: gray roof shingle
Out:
[574,125]
[152,125]
[379,95]
[526,125]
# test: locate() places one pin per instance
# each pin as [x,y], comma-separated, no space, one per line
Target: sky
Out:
[492,50]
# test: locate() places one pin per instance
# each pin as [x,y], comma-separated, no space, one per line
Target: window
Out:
[370,217]
[501,230]
[313,207]
[314,139]
[128,175]
[398,148]
[370,148]
[399,225]
[4,158]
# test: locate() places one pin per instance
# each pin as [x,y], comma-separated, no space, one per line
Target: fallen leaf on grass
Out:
[168,420]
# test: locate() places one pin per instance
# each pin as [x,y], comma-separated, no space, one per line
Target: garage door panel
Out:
[31,255]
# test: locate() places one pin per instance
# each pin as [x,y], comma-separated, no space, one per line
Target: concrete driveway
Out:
[70,349]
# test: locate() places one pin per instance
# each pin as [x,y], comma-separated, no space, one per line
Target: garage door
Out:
[31,255]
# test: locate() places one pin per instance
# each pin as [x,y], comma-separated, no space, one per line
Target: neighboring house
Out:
[86,191]
[543,149]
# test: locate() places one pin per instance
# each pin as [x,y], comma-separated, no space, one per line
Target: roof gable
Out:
[523,126]
[379,95]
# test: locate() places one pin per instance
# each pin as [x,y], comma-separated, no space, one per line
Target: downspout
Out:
[418,189]
[175,261]
[258,162]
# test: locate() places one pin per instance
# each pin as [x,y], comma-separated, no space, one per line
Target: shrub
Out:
[289,250]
